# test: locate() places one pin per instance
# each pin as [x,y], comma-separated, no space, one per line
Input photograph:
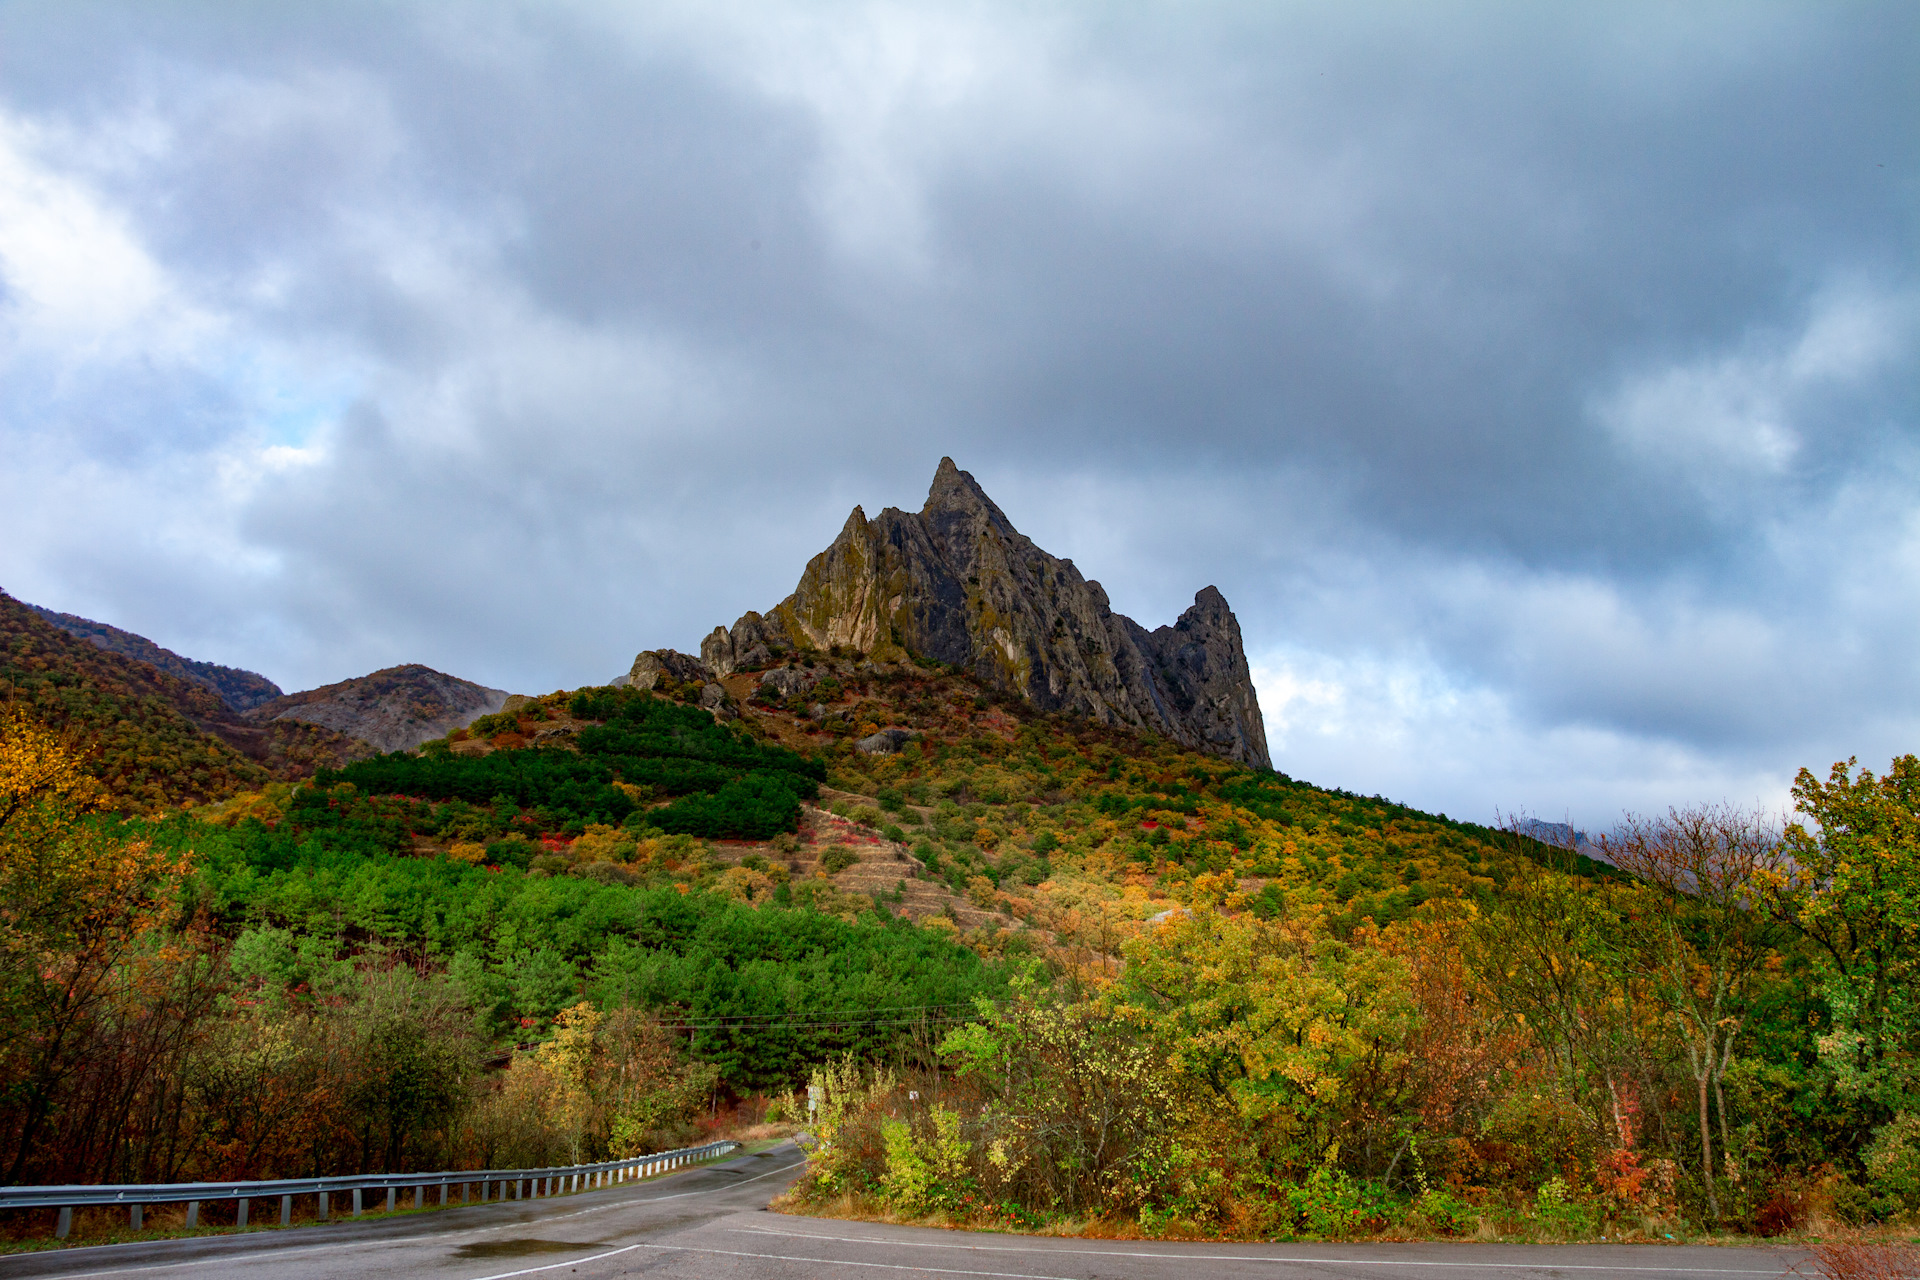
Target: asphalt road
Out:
[712,1222]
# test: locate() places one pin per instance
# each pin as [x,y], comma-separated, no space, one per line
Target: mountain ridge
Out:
[240,689]
[166,729]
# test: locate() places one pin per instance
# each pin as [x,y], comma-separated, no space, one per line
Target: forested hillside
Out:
[154,738]
[240,690]
[1047,972]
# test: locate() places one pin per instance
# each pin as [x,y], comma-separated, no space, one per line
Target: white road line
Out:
[295,1250]
[774,1257]
[1247,1257]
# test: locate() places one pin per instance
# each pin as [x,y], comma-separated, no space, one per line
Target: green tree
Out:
[1852,890]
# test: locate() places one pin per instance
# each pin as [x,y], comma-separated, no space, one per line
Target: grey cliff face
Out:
[958,583]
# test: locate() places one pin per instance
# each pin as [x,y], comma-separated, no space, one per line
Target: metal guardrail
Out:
[525,1184]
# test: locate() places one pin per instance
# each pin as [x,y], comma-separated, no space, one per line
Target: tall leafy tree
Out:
[1852,890]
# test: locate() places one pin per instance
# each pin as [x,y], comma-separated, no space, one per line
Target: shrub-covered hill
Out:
[240,690]
[1027,832]
[1071,826]
[535,853]
[154,738]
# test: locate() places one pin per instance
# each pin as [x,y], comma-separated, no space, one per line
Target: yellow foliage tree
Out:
[75,905]
[1276,1015]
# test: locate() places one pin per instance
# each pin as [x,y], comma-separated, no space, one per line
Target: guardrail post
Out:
[356,1202]
[193,1213]
[286,1211]
[134,1215]
[322,1215]
[65,1224]
[240,1213]
[390,1191]
[445,1190]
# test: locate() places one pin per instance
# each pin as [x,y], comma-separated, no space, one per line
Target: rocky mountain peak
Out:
[958,511]
[958,583]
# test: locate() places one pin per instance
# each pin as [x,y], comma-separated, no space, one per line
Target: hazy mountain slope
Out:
[395,709]
[956,582]
[240,690]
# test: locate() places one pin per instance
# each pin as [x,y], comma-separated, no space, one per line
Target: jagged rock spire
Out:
[959,583]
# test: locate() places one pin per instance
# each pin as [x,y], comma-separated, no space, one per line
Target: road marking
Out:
[774,1257]
[293,1250]
[1243,1257]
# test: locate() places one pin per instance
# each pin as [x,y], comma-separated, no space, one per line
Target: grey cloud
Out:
[1433,337]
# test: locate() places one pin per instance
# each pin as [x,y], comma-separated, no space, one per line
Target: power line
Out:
[800,1025]
[852,1015]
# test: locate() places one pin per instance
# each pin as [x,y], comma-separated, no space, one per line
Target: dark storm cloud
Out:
[1537,384]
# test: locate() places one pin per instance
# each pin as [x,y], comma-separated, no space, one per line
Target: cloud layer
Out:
[1539,386]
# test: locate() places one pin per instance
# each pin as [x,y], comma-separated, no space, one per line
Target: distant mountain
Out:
[1561,835]
[392,710]
[958,583]
[240,690]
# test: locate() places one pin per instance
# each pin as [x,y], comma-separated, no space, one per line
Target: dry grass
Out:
[764,1132]
[1855,1258]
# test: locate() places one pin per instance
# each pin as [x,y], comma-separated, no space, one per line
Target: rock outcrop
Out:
[649,667]
[956,582]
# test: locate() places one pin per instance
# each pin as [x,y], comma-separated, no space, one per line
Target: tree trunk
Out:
[1720,1105]
[1706,1144]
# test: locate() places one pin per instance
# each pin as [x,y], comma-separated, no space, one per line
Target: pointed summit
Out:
[958,511]
[958,583]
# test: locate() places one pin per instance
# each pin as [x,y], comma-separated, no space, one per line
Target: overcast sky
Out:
[1540,383]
